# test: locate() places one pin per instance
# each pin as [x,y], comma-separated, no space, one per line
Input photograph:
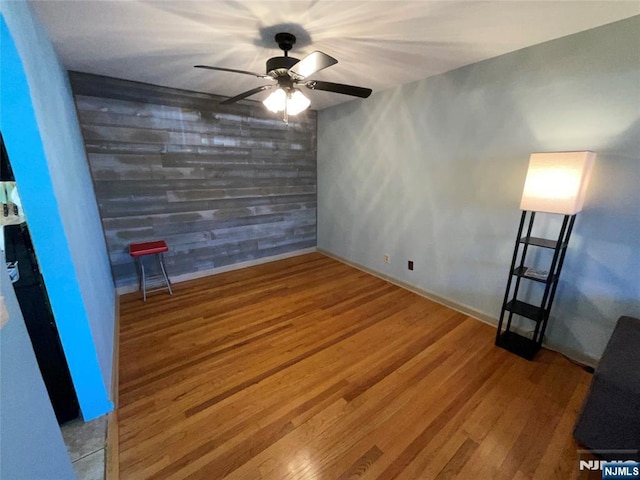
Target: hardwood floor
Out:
[309,369]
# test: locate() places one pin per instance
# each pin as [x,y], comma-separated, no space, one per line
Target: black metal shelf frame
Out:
[539,314]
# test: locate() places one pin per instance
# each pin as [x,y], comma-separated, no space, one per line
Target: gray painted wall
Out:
[220,184]
[31,445]
[433,172]
[51,169]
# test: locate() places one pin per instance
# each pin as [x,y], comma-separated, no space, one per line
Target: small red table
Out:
[157,248]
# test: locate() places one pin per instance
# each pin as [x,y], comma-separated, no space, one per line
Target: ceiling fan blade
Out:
[246,94]
[259,75]
[312,63]
[339,88]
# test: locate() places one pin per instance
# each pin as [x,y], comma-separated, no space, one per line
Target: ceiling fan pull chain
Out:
[286,110]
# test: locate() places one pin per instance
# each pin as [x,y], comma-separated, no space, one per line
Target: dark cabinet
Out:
[34,304]
[38,318]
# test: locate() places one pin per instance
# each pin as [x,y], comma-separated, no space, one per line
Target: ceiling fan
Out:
[289,74]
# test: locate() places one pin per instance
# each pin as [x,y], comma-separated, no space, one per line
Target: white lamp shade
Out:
[556,182]
[276,101]
[295,102]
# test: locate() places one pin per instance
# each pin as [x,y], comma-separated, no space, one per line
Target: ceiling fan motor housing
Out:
[278,66]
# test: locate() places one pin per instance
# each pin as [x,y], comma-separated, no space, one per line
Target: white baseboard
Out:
[112,467]
[417,290]
[115,362]
[185,277]
[573,355]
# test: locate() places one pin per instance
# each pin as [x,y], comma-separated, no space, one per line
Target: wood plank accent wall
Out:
[220,184]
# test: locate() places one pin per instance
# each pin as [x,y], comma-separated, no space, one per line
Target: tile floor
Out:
[86,445]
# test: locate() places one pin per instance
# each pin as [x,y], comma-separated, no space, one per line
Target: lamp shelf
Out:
[522,272]
[521,346]
[542,242]
[525,310]
[512,305]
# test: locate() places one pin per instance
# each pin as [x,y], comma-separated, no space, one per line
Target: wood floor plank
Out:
[307,368]
[460,457]
[360,467]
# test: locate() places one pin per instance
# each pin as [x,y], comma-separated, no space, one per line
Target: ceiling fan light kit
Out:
[289,72]
[292,102]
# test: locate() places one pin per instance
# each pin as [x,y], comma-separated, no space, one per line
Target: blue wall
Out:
[41,133]
[31,445]
[433,172]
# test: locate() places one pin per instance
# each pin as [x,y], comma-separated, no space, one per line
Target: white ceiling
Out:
[379,44]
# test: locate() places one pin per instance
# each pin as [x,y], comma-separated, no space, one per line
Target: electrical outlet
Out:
[387,258]
[410,264]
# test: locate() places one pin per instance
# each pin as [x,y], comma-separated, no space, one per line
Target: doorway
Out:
[31,293]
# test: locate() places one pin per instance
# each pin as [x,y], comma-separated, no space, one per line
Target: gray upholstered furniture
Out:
[610,417]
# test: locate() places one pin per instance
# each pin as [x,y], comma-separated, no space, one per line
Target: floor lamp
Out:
[556,183]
